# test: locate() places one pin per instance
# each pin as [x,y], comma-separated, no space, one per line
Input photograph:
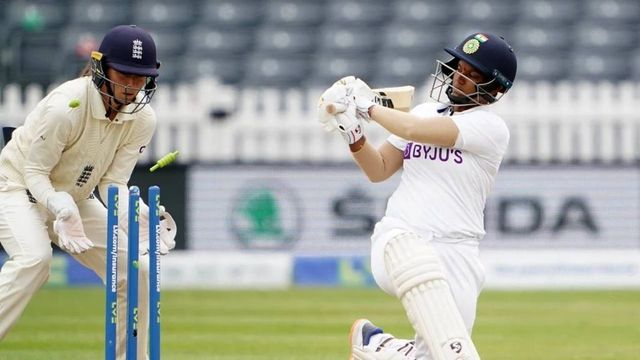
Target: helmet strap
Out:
[456,99]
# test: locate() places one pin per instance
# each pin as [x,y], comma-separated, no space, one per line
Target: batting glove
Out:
[362,95]
[349,124]
[336,95]
[363,105]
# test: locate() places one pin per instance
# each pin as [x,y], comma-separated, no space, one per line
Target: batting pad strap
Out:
[416,273]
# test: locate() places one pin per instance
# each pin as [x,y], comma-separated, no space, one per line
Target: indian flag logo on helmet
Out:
[481,37]
[471,46]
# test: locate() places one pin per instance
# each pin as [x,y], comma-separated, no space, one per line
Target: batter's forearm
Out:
[369,160]
[439,130]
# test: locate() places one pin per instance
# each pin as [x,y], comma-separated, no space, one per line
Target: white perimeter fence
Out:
[209,122]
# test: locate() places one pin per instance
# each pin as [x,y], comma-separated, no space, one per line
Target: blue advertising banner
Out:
[66,271]
[347,271]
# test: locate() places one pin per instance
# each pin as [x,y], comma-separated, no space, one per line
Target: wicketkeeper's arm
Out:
[50,137]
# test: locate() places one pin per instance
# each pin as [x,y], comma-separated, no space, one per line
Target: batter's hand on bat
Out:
[350,126]
[337,111]
[348,123]
[335,98]
[335,108]
[361,94]
[363,105]
[357,87]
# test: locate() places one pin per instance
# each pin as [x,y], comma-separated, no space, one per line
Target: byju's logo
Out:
[266,215]
[428,152]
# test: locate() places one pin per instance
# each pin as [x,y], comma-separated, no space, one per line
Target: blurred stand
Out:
[210,122]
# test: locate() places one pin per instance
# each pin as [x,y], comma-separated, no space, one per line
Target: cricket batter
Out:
[425,248]
[87,132]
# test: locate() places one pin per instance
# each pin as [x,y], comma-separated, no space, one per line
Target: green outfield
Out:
[313,324]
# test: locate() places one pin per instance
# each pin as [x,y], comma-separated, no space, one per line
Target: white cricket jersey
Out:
[68,144]
[444,190]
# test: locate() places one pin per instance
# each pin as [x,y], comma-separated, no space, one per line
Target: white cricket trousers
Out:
[26,232]
[462,269]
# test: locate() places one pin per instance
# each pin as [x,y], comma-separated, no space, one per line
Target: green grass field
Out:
[313,324]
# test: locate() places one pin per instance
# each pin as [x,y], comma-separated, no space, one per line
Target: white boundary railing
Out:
[561,122]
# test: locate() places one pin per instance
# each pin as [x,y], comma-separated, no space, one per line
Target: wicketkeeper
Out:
[87,133]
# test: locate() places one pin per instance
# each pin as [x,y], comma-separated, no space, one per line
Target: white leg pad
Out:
[415,270]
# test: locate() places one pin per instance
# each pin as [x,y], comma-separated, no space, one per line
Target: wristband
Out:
[358,145]
[370,109]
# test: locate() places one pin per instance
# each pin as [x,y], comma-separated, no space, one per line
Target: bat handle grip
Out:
[336,108]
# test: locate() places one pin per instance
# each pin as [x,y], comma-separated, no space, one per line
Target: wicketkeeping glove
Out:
[168,229]
[68,224]
[71,236]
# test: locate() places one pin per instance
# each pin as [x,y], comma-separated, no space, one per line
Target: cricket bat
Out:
[399,98]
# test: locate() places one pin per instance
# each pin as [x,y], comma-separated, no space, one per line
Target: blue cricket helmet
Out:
[131,50]
[490,54]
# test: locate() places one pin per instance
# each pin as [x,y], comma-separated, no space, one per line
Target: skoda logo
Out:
[266,214]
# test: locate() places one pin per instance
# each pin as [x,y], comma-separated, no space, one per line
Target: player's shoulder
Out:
[75,88]
[484,113]
[146,117]
[483,119]
[429,109]
[147,112]
[67,97]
